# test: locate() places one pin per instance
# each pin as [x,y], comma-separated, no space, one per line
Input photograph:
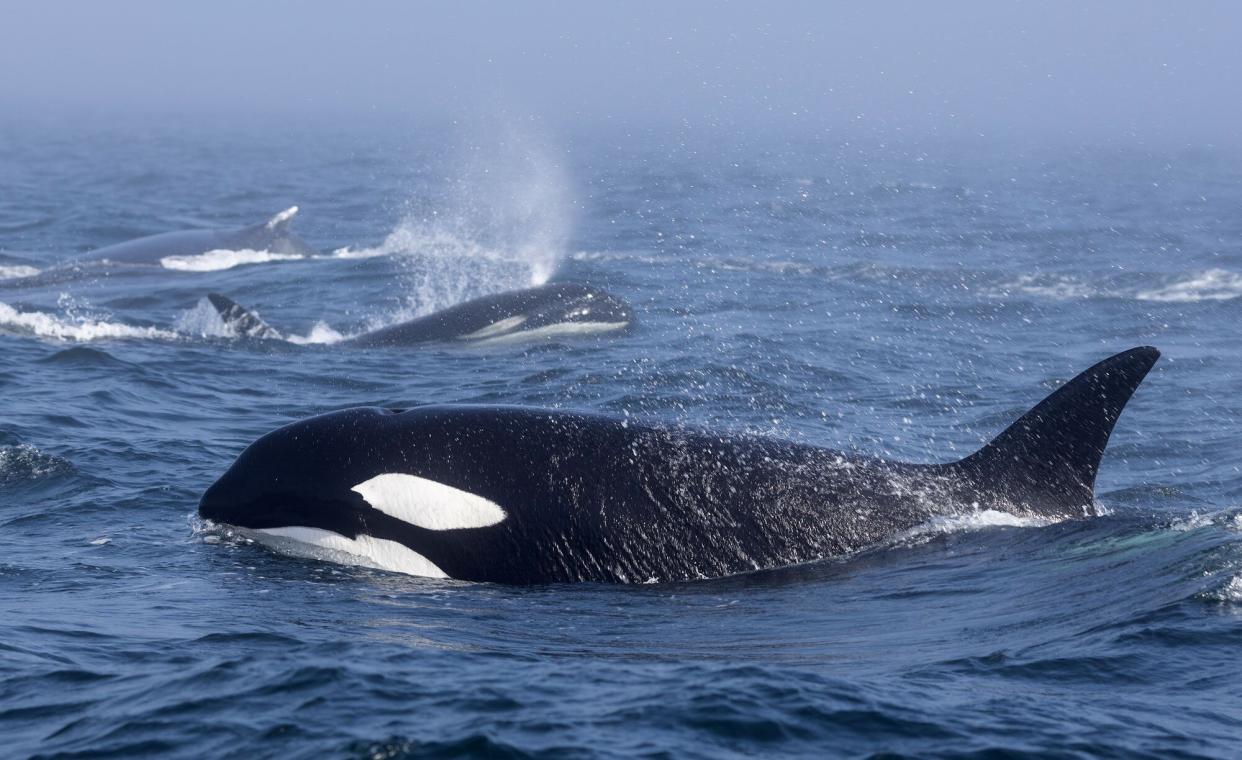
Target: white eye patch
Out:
[428,504]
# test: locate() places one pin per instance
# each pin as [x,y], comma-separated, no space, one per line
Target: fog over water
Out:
[1110,71]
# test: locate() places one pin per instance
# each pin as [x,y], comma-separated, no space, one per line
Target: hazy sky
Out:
[1111,70]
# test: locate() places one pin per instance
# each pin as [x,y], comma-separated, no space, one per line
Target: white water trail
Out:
[970,521]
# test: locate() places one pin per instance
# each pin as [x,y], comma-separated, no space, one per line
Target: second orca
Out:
[546,311]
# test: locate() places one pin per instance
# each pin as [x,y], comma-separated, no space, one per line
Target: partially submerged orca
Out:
[177,250]
[519,495]
[548,310]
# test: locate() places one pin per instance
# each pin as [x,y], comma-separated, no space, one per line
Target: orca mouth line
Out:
[276,510]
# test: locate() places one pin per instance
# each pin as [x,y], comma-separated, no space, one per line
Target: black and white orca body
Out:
[555,310]
[177,250]
[517,495]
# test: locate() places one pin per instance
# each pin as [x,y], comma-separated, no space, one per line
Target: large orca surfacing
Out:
[517,495]
[175,249]
[547,310]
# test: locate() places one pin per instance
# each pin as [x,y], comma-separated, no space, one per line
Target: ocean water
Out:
[906,301]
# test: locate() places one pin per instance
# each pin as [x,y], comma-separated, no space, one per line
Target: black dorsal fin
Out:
[241,322]
[1047,461]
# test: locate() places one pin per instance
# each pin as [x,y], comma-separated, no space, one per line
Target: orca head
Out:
[299,475]
[342,483]
[580,306]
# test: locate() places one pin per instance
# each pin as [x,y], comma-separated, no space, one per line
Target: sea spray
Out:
[499,222]
[73,325]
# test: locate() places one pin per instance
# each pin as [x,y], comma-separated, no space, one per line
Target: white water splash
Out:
[15,271]
[73,327]
[1231,591]
[203,321]
[970,521]
[361,253]
[222,258]
[1193,521]
[25,462]
[321,334]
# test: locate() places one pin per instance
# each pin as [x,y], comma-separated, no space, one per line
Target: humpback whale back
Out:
[1047,460]
[179,250]
[276,236]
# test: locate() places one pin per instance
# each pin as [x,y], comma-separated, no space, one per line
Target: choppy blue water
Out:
[898,301]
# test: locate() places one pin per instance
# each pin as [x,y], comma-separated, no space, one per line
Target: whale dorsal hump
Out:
[1047,460]
[281,222]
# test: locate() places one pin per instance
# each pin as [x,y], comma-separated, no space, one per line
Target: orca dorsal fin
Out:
[241,322]
[1047,461]
[281,222]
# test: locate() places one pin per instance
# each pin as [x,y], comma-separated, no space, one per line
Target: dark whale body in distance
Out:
[520,495]
[547,310]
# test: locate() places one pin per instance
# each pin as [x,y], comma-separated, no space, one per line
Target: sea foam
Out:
[222,258]
[15,271]
[74,328]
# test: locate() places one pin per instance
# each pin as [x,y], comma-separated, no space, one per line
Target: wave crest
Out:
[222,258]
[73,327]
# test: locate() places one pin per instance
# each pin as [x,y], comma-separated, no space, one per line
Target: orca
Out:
[530,496]
[201,250]
[544,311]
